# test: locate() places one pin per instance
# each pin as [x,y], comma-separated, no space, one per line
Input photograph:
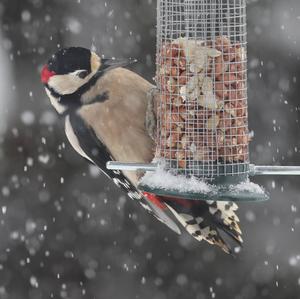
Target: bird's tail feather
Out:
[209,221]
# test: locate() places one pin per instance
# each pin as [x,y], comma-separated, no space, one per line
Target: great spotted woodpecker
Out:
[104,107]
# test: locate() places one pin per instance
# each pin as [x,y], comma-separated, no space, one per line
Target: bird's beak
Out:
[107,64]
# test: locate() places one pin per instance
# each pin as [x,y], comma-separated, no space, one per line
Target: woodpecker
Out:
[105,110]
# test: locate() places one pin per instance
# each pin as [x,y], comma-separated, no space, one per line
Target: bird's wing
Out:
[98,153]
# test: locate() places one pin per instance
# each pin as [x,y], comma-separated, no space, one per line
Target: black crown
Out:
[68,60]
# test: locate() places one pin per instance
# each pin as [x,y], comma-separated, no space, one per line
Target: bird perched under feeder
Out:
[104,107]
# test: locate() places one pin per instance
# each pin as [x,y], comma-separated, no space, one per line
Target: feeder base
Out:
[225,189]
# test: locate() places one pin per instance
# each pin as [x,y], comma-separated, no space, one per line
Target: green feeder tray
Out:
[222,193]
[234,188]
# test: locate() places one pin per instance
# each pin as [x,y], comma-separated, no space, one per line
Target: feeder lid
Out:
[223,188]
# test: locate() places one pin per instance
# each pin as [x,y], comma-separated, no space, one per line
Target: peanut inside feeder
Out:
[203,105]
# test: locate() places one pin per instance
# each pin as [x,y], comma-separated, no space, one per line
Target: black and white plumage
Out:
[104,107]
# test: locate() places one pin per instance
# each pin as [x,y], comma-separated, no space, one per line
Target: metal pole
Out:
[115,165]
[274,170]
[254,169]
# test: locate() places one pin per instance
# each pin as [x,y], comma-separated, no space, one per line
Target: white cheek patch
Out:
[73,139]
[55,102]
[66,84]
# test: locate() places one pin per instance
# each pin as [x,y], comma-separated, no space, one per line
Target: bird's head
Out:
[69,69]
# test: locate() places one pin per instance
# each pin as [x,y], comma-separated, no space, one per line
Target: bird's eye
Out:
[82,74]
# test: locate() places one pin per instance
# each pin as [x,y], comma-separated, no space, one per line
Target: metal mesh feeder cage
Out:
[202,139]
[202,81]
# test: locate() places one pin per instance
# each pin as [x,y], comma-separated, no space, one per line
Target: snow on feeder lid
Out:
[202,140]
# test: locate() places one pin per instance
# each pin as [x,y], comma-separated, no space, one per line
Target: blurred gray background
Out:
[67,232]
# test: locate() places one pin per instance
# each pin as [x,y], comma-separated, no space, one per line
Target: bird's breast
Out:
[119,122]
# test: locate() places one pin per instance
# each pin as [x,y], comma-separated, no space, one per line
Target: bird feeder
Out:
[202,139]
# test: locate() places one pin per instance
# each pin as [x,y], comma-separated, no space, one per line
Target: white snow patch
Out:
[48,118]
[94,171]
[166,180]
[27,118]
[247,186]
[74,25]
[4,210]
[26,16]
[5,191]
[30,226]
[250,216]
[34,282]
[44,158]
[163,179]
[14,235]
[29,161]
[294,261]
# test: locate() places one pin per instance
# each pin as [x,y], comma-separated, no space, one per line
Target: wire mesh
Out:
[202,80]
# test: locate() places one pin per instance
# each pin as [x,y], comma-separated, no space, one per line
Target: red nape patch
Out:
[155,199]
[46,74]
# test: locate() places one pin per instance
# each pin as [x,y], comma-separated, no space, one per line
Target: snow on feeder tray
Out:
[202,137]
